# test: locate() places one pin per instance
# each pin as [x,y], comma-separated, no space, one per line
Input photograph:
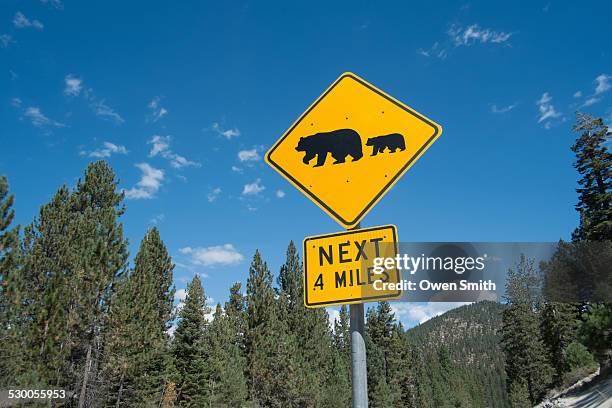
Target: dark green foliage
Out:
[559,325]
[576,355]
[594,164]
[9,286]
[190,348]
[273,366]
[73,255]
[136,344]
[596,332]
[227,383]
[470,372]
[526,360]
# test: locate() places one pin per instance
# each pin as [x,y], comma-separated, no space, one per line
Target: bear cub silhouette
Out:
[392,142]
[340,143]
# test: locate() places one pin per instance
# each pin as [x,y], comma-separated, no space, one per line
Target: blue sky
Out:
[183,98]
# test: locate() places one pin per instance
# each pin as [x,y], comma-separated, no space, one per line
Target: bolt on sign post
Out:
[350,146]
[344,153]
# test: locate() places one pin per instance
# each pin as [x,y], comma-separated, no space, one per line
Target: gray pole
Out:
[359,368]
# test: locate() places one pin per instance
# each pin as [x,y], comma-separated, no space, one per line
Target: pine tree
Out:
[227,384]
[136,344]
[383,388]
[340,379]
[9,295]
[521,339]
[274,376]
[309,327]
[594,163]
[190,349]
[559,325]
[74,254]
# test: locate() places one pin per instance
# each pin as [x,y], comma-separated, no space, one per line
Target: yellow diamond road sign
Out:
[339,267]
[348,148]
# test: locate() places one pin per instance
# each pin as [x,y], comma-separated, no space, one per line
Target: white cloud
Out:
[213,255]
[435,51]
[157,111]
[473,34]
[237,169]
[603,83]
[16,102]
[226,133]
[546,109]
[106,112]
[280,193]
[38,119]
[502,109]
[106,150]
[213,194]
[578,94]
[157,219]
[411,313]
[55,3]
[73,85]
[248,155]
[253,188]
[161,146]
[5,40]
[149,184]
[21,21]
[591,101]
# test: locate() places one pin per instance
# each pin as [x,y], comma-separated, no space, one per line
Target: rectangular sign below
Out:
[339,267]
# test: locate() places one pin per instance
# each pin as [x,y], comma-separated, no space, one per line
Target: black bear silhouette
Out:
[340,143]
[393,142]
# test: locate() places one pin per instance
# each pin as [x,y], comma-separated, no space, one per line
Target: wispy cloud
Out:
[21,21]
[160,145]
[104,111]
[156,110]
[253,189]
[249,155]
[462,36]
[602,84]
[590,101]
[39,119]
[547,110]
[159,218]
[106,150]
[73,85]
[226,133]
[213,194]
[217,255]
[578,94]
[16,103]
[502,109]
[5,40]
[149,183]
[54,3]
[280,194]
[436,51]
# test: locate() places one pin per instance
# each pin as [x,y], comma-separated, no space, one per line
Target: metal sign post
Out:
[359,368]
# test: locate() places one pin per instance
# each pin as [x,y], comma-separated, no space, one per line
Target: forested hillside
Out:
[471,335]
